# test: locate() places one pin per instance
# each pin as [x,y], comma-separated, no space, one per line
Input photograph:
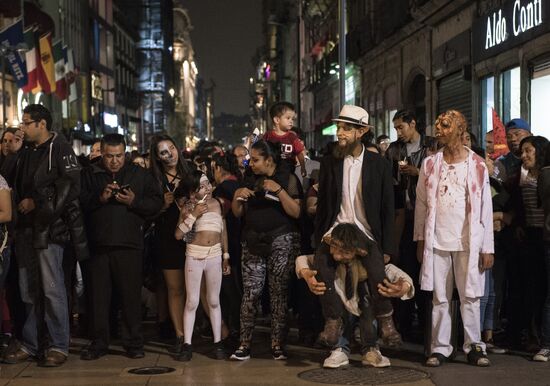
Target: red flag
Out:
[499,138]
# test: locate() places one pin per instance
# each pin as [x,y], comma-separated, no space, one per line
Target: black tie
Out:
[349,282]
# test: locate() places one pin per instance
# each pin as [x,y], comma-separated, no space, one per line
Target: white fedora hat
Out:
[353,114]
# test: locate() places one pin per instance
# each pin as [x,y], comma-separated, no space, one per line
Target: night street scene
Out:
[275,192]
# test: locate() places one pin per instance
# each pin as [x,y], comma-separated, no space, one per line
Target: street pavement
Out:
[261,370]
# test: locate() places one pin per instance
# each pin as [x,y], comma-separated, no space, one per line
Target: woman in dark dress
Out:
[169,170]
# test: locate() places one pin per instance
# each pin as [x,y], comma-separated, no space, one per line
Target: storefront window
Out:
[487,104]
[510,88]
[540,95]
[391,131]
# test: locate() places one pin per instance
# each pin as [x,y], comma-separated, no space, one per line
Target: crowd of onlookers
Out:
[218,235]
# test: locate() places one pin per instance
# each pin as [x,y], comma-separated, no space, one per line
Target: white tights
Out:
[194,269]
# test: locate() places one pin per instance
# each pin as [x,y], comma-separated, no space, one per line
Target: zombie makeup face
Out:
[449,128]
[205,188]
[168,153]
[349,137]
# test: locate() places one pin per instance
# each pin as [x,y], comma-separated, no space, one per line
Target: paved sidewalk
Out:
[262,370]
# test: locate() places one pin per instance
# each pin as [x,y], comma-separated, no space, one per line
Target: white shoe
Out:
[542,356]
[375,358]
[337,358]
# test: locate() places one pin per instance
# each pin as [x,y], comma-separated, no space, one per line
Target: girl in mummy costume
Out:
[202,225]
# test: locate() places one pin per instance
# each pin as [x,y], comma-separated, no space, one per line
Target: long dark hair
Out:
[282,170]
[539,143]
[190,184]
[351,237]
[268,149]
[228,163]
[157,169]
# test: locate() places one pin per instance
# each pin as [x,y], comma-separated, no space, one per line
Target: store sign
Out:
[514,23]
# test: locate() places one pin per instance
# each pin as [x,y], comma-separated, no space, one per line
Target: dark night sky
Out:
[226,35]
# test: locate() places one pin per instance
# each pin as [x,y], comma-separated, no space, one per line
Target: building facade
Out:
[425,55]
[184,94]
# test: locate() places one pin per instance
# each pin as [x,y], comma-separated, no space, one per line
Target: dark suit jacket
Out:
[378,198]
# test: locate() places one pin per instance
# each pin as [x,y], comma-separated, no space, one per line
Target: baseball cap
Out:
[518,123]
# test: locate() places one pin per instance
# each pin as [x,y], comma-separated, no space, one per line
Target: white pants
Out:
[445,265]
[194,269]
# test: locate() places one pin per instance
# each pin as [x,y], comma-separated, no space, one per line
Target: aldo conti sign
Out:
[514,23]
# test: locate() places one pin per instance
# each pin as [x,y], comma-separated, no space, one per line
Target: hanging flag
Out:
[11,38]
[70,73]
[59,60]
[47,75]
[30,59]
[40,77]
[499,137]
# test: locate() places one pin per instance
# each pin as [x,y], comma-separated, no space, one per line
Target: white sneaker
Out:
[542,356]
[375,358]
[337,358]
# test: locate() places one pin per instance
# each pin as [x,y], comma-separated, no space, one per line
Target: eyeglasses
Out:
[27,123]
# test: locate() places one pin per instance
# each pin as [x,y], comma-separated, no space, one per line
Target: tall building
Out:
[127,96]
[184,93]
[101,61]
[155,65]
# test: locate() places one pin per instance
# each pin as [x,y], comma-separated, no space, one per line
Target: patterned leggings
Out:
[284,250]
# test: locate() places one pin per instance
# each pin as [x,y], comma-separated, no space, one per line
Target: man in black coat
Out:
[406,156]
[46,190]
[355,186]
[117,198]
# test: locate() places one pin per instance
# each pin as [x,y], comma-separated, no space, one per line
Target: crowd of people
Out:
[374,242]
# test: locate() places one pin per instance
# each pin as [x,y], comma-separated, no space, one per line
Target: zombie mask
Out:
[449,128]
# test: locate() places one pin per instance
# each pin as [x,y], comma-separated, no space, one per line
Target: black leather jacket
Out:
[397,151]
[57,217]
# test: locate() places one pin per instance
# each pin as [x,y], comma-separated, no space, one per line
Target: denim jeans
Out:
[487,304]
[42,286]
[367,326]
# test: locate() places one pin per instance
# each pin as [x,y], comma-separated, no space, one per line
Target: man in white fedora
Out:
[355,186]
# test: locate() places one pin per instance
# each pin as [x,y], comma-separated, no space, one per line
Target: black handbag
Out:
[259,243]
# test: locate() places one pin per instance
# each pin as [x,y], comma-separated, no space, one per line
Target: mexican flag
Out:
[46,76]
[30,59]
[59,60]
[70,74]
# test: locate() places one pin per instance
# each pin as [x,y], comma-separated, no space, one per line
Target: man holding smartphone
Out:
[117,198]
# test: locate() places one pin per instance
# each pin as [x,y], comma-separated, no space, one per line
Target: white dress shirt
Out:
[352,209]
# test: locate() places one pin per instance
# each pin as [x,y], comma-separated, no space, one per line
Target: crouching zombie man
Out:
[348,245]
[355,186]
[454,230]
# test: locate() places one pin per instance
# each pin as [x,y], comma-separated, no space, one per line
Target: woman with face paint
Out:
[169,170]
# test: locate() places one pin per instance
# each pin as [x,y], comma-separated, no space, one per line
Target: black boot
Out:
[186,353]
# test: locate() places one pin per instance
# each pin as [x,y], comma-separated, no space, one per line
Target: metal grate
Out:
[356,375]
[152,370]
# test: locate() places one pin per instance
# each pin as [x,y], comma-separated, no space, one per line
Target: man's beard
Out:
[342,152]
